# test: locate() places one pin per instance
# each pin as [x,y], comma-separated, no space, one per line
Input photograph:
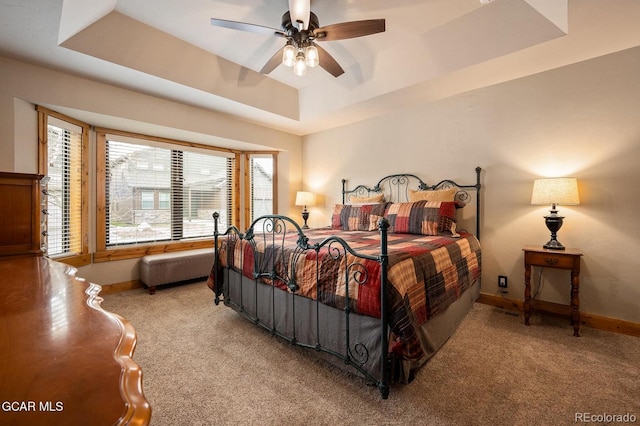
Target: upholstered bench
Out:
[167,268]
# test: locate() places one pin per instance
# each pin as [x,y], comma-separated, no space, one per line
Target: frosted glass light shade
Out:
[289,55]
[300,67]
[311,54]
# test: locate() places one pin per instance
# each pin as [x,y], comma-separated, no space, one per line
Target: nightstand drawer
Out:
[551,260]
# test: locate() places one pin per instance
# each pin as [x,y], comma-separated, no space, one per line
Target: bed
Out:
[377,292]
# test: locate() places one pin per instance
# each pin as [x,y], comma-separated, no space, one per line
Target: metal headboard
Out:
[396,189]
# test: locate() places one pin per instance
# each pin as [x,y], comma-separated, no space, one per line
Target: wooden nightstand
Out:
[559,259]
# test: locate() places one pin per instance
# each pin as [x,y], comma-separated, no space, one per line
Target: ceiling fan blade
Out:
[299,11]
[243,26]
[351,29]
[328,63]
[272,63]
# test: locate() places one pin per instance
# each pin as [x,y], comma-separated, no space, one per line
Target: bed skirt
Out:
[295,317]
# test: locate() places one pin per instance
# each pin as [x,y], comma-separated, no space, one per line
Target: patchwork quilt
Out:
[426,273]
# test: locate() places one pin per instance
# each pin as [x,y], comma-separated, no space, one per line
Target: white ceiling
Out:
[431,49]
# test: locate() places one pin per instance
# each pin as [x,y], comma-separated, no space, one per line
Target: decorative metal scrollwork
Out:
[399,180]
[462,196]
[335,250]
[358,272]
[359,354]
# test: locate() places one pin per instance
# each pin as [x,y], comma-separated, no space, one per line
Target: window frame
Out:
[83,257]
[103,252]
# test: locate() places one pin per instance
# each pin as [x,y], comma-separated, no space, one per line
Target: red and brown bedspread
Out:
[425,274]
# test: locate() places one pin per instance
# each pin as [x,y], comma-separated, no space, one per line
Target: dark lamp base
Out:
[553,245]
[554,223]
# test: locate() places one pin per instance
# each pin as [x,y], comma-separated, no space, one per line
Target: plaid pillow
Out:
[355,218]
[374,219]
[423,217]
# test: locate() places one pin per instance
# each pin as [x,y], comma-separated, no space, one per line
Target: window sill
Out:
[75,261]
[111,255]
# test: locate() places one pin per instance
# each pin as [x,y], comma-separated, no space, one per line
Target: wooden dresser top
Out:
[63,359]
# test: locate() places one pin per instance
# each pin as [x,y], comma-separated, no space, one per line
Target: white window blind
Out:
[261,185]
[64,189]
[156,192]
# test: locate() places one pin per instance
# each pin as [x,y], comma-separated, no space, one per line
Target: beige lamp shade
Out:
[304,198]
[552,191]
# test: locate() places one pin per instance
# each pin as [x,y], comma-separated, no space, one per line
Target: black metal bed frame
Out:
[273,229]
[396,188]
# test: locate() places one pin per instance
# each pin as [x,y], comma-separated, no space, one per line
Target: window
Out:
[164,200]
[261,188]
[154,192]
[147,200]
[63,161]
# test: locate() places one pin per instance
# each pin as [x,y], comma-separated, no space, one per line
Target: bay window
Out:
[155,193]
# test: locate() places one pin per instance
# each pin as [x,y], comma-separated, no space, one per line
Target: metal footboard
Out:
[299,318]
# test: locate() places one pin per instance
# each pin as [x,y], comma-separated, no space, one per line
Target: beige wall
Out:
[582,120]
[23,85]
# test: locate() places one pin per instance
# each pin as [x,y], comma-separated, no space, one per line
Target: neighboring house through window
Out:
[261,187]
[161,192]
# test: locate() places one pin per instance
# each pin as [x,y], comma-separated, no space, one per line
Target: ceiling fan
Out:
[301,29]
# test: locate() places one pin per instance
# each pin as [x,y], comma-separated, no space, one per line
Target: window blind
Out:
[157,192]
[64,189]
[261,185]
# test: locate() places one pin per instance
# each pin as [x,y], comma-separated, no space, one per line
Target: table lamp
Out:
[555,191]
[305,199]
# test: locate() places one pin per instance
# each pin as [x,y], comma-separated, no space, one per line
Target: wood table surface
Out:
[63,359]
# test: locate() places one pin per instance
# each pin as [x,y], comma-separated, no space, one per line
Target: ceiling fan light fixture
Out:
[301,29]
[289,55]
[311,55]
[300,67]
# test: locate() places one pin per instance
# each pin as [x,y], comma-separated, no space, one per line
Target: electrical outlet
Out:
[502,281]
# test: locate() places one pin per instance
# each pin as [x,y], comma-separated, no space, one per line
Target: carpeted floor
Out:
[205,365]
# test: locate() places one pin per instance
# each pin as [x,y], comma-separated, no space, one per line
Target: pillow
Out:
[355,218]
[379,198]
[335,216]
[373,222]
[437,195]
[423,217]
